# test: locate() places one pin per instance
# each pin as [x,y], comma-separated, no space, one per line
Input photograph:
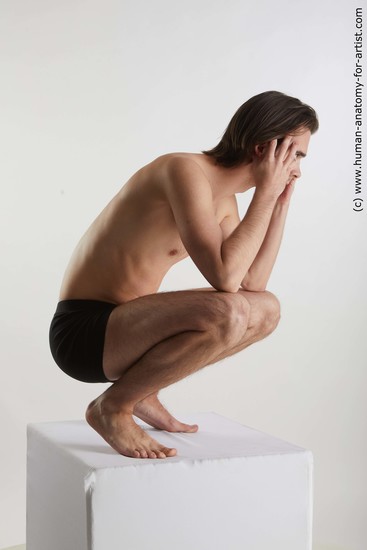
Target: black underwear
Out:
[77,334]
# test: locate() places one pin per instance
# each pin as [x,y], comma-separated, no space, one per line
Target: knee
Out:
[271,313]
[229,317]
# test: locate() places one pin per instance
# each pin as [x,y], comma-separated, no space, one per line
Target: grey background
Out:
[93,90]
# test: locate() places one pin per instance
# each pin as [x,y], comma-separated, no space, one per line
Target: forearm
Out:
[259,272]
[240,249]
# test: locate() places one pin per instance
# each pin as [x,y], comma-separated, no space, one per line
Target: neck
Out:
[228,181]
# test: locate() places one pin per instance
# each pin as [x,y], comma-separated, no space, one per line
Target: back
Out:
[134,241]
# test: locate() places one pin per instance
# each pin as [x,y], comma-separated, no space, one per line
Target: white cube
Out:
[230,487]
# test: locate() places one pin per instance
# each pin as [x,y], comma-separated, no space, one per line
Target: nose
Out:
[296,171]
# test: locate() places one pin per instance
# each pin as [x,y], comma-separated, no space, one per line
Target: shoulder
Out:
[182,174]
[180,165]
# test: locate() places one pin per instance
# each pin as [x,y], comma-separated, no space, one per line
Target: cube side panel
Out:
[56,504]
[258,502]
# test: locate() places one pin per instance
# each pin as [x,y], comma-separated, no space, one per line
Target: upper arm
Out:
[231,217]
[190,196]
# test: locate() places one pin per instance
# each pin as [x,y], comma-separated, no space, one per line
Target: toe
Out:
[152,454]
[181,427]
[192,427]
[169,452]
[160,454]
[143,453]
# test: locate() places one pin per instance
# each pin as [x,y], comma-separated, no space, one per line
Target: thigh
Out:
[135,327]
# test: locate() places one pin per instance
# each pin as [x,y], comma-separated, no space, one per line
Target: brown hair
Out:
[266,116]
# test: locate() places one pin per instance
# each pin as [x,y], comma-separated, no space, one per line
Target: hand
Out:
[285,197]
[271,171]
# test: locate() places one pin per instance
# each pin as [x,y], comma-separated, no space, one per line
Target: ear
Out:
[259,150]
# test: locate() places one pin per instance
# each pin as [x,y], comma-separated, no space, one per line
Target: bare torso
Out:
[132,244]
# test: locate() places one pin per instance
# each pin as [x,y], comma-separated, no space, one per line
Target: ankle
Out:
[110,405]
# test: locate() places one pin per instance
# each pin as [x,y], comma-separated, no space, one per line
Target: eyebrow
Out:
[301,154]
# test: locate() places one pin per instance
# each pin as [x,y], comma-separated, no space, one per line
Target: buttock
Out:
[77,335]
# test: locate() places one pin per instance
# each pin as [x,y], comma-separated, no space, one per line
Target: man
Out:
[111,324]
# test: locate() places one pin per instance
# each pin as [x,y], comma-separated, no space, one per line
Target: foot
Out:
[151,411]
[121,432]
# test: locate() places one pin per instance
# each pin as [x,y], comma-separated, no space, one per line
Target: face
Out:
[302,141]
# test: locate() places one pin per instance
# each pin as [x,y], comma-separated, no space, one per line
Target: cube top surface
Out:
[217,438]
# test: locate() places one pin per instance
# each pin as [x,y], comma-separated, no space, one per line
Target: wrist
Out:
[266,197]
[281,206]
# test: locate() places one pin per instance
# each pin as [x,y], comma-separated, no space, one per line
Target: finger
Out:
[288,190]
[290,186]
[291,154]
[272,147]
[282,153]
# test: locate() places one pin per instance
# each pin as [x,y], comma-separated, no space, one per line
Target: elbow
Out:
[227,288]
[252,285]
[227,284]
